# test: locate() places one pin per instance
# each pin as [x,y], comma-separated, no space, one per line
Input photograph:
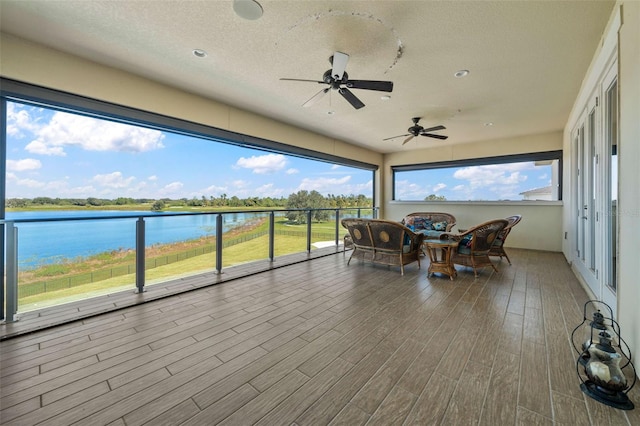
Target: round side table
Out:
[442,263]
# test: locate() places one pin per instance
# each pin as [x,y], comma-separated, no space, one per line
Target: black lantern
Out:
[602,351]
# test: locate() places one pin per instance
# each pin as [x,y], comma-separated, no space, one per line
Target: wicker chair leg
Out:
[350,257]
[505,255]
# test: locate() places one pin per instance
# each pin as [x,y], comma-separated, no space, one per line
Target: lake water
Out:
[47,242]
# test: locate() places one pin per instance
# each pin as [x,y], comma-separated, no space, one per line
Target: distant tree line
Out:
[299,200]
[81,202]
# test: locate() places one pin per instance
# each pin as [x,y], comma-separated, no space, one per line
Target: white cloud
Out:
[41,148]
[335,166]
[64,130]
[324,185]
[486,176]
[215,190]
[406,190]
[292,171]
[18,119]
[30,183]
[22,165]
[152,178]
[240,184]
[269,190]
[172,187]
[263,164]
[114,180]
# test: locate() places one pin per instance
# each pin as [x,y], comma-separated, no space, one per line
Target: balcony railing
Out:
[219,241]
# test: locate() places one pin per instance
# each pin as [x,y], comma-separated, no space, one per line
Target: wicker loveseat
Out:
[384,242]
[431,224]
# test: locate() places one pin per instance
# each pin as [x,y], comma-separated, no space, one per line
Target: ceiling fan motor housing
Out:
[415,130]
[330,79]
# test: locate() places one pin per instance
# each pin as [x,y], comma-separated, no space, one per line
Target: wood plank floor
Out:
[320,343]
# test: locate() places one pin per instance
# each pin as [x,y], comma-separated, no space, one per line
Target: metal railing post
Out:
[12,272]
[337,227]
[219,243]
[359,212]
[140,255]
[272,222]
[308,231]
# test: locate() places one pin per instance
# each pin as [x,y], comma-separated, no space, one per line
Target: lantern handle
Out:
[573,342]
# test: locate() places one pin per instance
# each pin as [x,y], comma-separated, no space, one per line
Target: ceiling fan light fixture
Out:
[247,9]
[385,97]
[461,73]
[199,53]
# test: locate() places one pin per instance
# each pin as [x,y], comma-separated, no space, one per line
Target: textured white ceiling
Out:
[526,58]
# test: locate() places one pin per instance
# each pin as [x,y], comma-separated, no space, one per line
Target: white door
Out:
[586,179]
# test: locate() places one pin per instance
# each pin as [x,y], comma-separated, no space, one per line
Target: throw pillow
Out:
[419,222]
[440,226]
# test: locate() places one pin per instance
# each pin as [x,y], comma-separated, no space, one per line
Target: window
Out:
[528,177]
[63,146]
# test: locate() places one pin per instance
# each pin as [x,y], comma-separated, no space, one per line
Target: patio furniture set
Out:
[399,243]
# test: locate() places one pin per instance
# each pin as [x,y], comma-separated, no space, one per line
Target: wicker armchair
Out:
[475,244]
[497,249]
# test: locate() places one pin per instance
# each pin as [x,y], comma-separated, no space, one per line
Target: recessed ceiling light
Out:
[461,73]
[488,124]
[385,97]
[247,9]
[199,53]
[330,112]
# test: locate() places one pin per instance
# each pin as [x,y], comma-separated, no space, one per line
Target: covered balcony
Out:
[304,338]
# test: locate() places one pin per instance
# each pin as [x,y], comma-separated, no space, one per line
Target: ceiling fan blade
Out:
[316,98]
[339,64]
[300,79]
[433,129]
[381,86]
[408,139]
[351,98]
[393,137]
[431,135]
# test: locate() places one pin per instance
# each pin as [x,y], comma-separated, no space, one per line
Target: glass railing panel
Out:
[178,245]
[245,238]
[60,262]
[290,233]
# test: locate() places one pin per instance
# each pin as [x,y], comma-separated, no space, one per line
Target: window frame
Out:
[480,161]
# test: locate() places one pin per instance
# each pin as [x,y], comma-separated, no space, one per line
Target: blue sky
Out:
[57,154]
